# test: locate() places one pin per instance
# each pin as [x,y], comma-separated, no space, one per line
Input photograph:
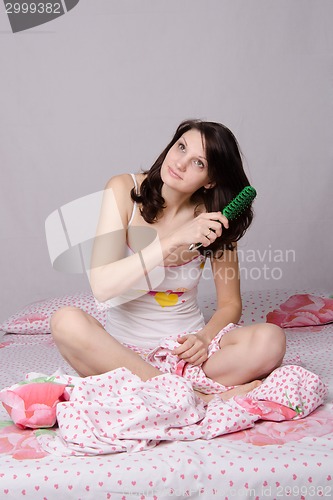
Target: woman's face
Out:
[185,167]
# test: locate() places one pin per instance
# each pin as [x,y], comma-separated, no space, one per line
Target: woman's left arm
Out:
[225,269]
[228,297]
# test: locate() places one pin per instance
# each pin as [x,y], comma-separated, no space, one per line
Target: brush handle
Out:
[234,208]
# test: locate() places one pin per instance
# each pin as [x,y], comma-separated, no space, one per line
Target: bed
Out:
[289,459]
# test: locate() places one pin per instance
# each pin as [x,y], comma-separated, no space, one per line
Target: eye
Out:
[181,146]
[199,163]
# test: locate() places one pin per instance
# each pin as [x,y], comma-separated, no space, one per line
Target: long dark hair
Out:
[225,169]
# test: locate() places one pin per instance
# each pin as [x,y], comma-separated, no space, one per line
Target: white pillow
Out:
[35,317]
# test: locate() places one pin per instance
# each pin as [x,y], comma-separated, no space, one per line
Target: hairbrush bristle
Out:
[239,203]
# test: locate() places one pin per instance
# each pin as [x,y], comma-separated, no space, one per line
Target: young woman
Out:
[145,273]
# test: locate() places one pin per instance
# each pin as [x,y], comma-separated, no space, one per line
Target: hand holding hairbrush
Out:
[234,208]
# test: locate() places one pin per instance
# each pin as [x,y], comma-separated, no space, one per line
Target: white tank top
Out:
[170,309]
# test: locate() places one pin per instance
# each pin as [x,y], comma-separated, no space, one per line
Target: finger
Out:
[182,339]
[191,353]
[196,360]
[213,234]
[219,217]
[210,238]
[201,357]
[225,222]
[197,363]
[215,226]
[182,348]
[179,350]
[194,352]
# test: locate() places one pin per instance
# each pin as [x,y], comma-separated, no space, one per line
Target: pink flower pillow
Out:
[302,310]
[33,405]
[35,318]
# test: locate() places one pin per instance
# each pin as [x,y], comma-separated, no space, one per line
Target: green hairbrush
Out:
[239,203]
[235,207]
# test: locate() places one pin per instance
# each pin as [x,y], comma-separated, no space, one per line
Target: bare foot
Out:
[236,391]
[240,389]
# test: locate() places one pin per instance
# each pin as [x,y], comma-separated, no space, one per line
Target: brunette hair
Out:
[225,171]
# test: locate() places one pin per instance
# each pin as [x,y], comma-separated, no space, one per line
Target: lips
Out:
[174,174]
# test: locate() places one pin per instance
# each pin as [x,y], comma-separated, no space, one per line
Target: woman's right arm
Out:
[111,272]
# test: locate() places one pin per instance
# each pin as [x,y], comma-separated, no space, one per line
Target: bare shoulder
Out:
[125,182]
[121,181]
[121,186]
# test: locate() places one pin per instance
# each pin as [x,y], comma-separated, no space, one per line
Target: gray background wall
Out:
[101,89]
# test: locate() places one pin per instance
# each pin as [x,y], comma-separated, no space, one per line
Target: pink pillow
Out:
[302,310]
[35,318]
[33,405]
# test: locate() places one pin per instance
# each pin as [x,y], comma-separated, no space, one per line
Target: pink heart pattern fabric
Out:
[117,411]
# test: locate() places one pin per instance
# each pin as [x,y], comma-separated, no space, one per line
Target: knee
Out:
[64,322]
[273,342]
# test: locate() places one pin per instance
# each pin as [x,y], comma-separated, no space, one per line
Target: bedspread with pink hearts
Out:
[117,411]
[288,458]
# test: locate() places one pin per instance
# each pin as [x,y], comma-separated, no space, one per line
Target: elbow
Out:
[102,295]
[98,289]
[235,312]
[234,309]
[238,310]
[104,288]
[99,292]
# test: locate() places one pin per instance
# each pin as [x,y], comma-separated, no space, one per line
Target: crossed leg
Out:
[246,353]
[91,350]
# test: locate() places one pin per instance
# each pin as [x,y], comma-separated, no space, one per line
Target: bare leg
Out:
[90,350]
[247,353]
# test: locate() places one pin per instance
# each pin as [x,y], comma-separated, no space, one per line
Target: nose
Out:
[181,163]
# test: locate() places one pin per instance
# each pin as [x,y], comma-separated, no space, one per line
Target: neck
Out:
[175,202]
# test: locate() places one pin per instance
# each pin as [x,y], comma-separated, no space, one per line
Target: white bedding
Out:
[291,459]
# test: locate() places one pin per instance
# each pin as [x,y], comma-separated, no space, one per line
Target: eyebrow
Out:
[203,157]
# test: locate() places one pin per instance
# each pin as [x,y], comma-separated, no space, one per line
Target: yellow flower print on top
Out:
[166,299]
